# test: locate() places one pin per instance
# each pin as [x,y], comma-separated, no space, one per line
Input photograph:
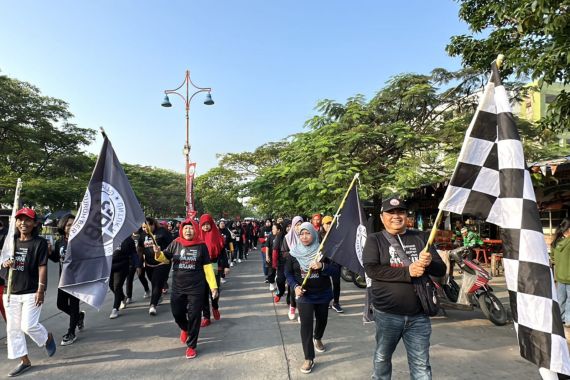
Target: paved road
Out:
[255,340]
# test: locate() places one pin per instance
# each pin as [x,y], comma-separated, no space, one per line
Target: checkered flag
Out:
[491,182]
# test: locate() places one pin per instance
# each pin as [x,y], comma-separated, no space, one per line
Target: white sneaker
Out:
[223,280]
[239,261]
[146,295]
[271,287]
[114,314]
[232,264]
[152,310]
[299,319]
[291,313]
[129,301]
[123,305]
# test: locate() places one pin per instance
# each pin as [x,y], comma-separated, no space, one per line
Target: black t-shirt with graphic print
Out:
[57,254]
[29,256]
[163,239]
[392,289]
[188,267]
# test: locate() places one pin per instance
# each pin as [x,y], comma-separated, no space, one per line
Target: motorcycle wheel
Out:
[346,274]
[492,308]
[359,280]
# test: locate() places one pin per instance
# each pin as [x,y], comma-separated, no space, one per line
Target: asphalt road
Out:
[255,340]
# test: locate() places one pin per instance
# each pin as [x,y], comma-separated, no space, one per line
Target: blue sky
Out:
[268,63]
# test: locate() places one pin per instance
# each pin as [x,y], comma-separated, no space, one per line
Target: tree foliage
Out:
[534,37]
[39,145]
[217,193]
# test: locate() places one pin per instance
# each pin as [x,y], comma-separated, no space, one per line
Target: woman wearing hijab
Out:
[278,260]
[214,240]
[290,241]
[315,295]
[191,270]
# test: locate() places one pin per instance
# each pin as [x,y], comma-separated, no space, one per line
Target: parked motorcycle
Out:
[474,290]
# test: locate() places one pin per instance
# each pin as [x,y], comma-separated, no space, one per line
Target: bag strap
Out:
[397,247]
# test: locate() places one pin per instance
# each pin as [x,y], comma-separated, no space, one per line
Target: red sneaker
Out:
[276,299]
[190,353]
[216,313]
[205,322]
[183,336]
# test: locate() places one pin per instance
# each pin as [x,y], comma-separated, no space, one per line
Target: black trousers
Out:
[186,309]
[306,312]
[70,306]
[208,297]
[158,276]
[291,297]
[131,279]
[280,280]
[336,286]
[116,282]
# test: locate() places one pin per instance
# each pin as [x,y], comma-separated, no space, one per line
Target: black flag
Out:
[108,214]
[345,240]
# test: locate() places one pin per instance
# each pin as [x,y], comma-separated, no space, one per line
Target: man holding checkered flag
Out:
[491,182]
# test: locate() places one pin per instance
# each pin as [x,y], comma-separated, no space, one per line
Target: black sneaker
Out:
[81,321]
[336,307]
[68,339]
[50,345]
[21,368]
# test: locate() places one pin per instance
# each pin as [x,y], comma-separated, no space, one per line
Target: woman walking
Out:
[278,260]
[65,301]
[315,295]
[191,270]
[156,271]
[119,272]
[26,288]
[214,241]
[290,241]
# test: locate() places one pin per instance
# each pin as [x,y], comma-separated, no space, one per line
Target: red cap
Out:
[27,212]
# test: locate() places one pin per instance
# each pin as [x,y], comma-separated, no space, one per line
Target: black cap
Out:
[393,203]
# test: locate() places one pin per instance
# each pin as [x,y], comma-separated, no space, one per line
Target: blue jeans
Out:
[415,331]
[563,291]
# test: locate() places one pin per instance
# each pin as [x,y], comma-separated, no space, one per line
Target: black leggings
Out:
[336,285]
[158,276]
[280,280]
[208,297]
[70,306]
[291,297]
[186,309]
[131,279]
[306,312]
[116,282]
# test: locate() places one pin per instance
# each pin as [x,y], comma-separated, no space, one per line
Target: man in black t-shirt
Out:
[397,310]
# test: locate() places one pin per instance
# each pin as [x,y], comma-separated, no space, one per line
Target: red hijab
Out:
[213,238]
[197,237]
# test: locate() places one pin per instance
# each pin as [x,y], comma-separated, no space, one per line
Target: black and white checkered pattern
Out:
[491,182]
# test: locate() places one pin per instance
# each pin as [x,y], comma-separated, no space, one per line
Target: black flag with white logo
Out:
[345,240]
[109,213]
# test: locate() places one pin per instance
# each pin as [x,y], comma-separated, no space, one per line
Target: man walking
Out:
[397,309]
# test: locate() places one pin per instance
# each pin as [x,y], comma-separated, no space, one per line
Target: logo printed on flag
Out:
[109,214]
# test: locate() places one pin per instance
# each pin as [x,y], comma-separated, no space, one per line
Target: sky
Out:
[268,64]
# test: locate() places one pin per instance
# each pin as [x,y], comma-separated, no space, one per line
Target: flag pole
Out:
[498,62]
[13,253]
[317,258]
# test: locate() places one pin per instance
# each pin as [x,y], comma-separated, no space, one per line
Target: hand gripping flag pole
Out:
[319,256]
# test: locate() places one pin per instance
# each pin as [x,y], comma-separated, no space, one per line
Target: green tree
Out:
[217,193]
[161,192]
[39,145]
[533,36]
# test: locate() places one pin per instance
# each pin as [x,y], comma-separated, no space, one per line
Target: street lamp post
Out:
[190,210]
